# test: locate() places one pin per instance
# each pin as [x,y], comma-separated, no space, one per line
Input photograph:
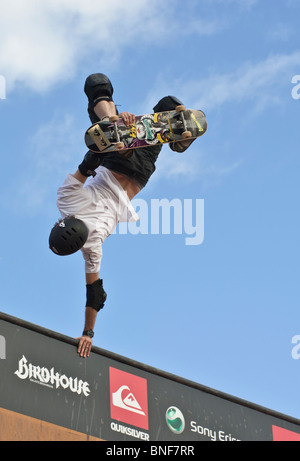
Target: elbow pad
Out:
[95,295]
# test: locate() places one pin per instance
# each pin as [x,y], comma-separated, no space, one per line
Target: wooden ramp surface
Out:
[15,427]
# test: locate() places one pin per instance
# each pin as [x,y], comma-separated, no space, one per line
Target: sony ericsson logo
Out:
[175,420]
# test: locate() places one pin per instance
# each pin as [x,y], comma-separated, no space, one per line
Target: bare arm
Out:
[85,342]
[108,108]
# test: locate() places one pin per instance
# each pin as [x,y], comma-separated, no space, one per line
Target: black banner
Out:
[115,399]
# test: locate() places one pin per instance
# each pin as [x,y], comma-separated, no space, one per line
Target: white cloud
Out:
[260,83]
[256,86]
[43,42]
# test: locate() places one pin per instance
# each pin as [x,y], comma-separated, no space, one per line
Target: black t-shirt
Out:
[141,165]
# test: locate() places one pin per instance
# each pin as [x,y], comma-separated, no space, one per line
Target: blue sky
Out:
[222,313]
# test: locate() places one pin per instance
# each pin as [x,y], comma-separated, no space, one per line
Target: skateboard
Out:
[148,130]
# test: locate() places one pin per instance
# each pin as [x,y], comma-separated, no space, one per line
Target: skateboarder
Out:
[91,209]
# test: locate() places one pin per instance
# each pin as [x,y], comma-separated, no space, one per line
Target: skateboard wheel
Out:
[180,108]
[113,118]
[119,145]
[186,134]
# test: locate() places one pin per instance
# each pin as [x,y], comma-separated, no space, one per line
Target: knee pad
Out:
[98,86]
[167,103]
[95,295]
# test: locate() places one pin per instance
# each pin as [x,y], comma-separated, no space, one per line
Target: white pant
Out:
[101,203]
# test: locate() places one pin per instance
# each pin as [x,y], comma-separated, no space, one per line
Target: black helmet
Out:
[68,236]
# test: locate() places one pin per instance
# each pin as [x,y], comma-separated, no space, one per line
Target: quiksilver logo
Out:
[50,378]
[128,403]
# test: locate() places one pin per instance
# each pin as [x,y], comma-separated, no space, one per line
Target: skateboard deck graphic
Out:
[148,130]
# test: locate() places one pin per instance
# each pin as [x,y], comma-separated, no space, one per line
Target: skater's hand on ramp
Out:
[84,346]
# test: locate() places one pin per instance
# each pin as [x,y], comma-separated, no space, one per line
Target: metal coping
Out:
[148,368]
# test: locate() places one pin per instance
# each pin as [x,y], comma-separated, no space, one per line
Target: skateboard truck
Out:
[186,134]
[119,144]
